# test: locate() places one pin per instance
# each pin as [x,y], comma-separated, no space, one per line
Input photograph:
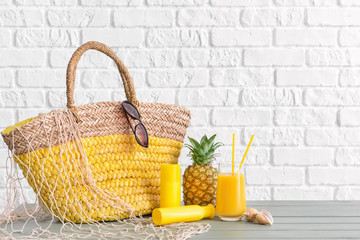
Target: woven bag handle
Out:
[71,73]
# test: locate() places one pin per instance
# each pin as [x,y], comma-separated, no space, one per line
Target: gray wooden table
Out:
[293,220]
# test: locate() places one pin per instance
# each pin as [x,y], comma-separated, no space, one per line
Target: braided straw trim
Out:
[71,73]
[102,119]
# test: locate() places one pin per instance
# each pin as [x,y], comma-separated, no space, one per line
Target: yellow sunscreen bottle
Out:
[190,213]
[170,185]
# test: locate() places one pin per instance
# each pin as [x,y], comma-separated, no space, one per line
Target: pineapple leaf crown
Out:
[203,152]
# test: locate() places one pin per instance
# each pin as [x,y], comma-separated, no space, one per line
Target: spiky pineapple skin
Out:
[199,185]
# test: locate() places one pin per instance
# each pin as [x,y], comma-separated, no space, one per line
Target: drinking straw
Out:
[247,149]
[233,154]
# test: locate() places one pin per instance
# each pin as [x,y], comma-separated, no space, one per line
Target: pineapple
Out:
[200,178]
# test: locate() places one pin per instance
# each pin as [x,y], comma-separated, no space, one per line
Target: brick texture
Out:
[287,71]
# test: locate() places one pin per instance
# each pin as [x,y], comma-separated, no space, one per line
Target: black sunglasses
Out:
[139,131]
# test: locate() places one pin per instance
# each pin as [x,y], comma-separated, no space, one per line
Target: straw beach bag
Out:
[84,162]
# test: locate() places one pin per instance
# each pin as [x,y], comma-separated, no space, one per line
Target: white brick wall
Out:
[287,71]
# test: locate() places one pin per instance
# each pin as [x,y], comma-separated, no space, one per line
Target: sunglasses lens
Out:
[141,135]
[131,110]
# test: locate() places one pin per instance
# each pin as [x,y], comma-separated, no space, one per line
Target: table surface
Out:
[293,220]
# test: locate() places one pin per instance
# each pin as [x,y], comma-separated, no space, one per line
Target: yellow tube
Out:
[190,213]
[170,185]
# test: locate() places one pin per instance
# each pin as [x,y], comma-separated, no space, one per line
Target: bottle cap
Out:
[209,211]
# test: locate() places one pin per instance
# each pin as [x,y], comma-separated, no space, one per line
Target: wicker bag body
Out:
[84,163]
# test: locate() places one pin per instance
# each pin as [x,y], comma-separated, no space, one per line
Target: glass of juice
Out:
[230,196]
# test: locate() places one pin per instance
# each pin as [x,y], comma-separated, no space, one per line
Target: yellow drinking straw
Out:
[247,149]
[233,154]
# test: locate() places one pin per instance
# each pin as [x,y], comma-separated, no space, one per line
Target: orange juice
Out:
[230,196]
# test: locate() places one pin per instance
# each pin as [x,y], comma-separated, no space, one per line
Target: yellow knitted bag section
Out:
[119,170]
